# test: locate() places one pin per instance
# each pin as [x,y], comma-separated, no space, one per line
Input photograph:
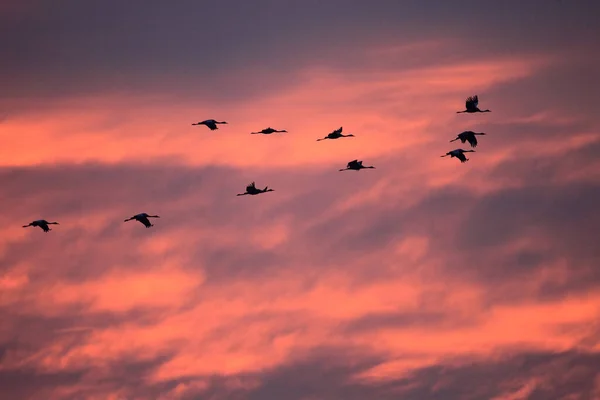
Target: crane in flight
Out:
[42,223]
[252,190]
[336,135]
[268,131]
[355,165]
[471,106]
[210,123]
[143,218]
[468,136]
[459,153]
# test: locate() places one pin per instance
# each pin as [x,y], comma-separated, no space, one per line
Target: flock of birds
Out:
[471,106]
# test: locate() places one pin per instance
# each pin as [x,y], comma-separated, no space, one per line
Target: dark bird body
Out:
[355,165]
[143,218]
[42,223]
[471,106]
[459,153]
[268,131]
[336,135]
[468,136]
[252,190]
[211,124]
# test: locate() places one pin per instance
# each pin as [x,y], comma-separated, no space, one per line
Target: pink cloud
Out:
[336,285]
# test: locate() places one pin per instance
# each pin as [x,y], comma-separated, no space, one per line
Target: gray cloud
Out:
[27,384]
[194,199]
[233,49]
[563,374]
[330,373]
[375,321]
[467,228]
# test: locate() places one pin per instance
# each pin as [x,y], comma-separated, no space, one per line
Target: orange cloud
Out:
[421,263]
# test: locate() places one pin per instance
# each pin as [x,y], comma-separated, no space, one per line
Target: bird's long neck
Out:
[52,223]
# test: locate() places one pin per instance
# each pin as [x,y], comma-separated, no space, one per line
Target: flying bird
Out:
[459,153]
[42,223]
[252,190]
[471,105]
[143,218]
[336,134]
[268,131]
[468,136]
[355,165]
[211,123]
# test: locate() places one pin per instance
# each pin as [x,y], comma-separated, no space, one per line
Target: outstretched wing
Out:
[461,157]
[472,140]
[353,163]
[472,102]
[144,220]
[337,131]
[212,125]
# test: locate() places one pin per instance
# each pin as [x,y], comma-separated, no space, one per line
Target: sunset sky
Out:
[421,279]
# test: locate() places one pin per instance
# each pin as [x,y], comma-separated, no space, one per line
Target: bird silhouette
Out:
[268,131]
[335,135]
[355,165]
[468,136]
[143,218]
[471,105]
[211,123]
[42,223]
[459,153]
[252,190]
